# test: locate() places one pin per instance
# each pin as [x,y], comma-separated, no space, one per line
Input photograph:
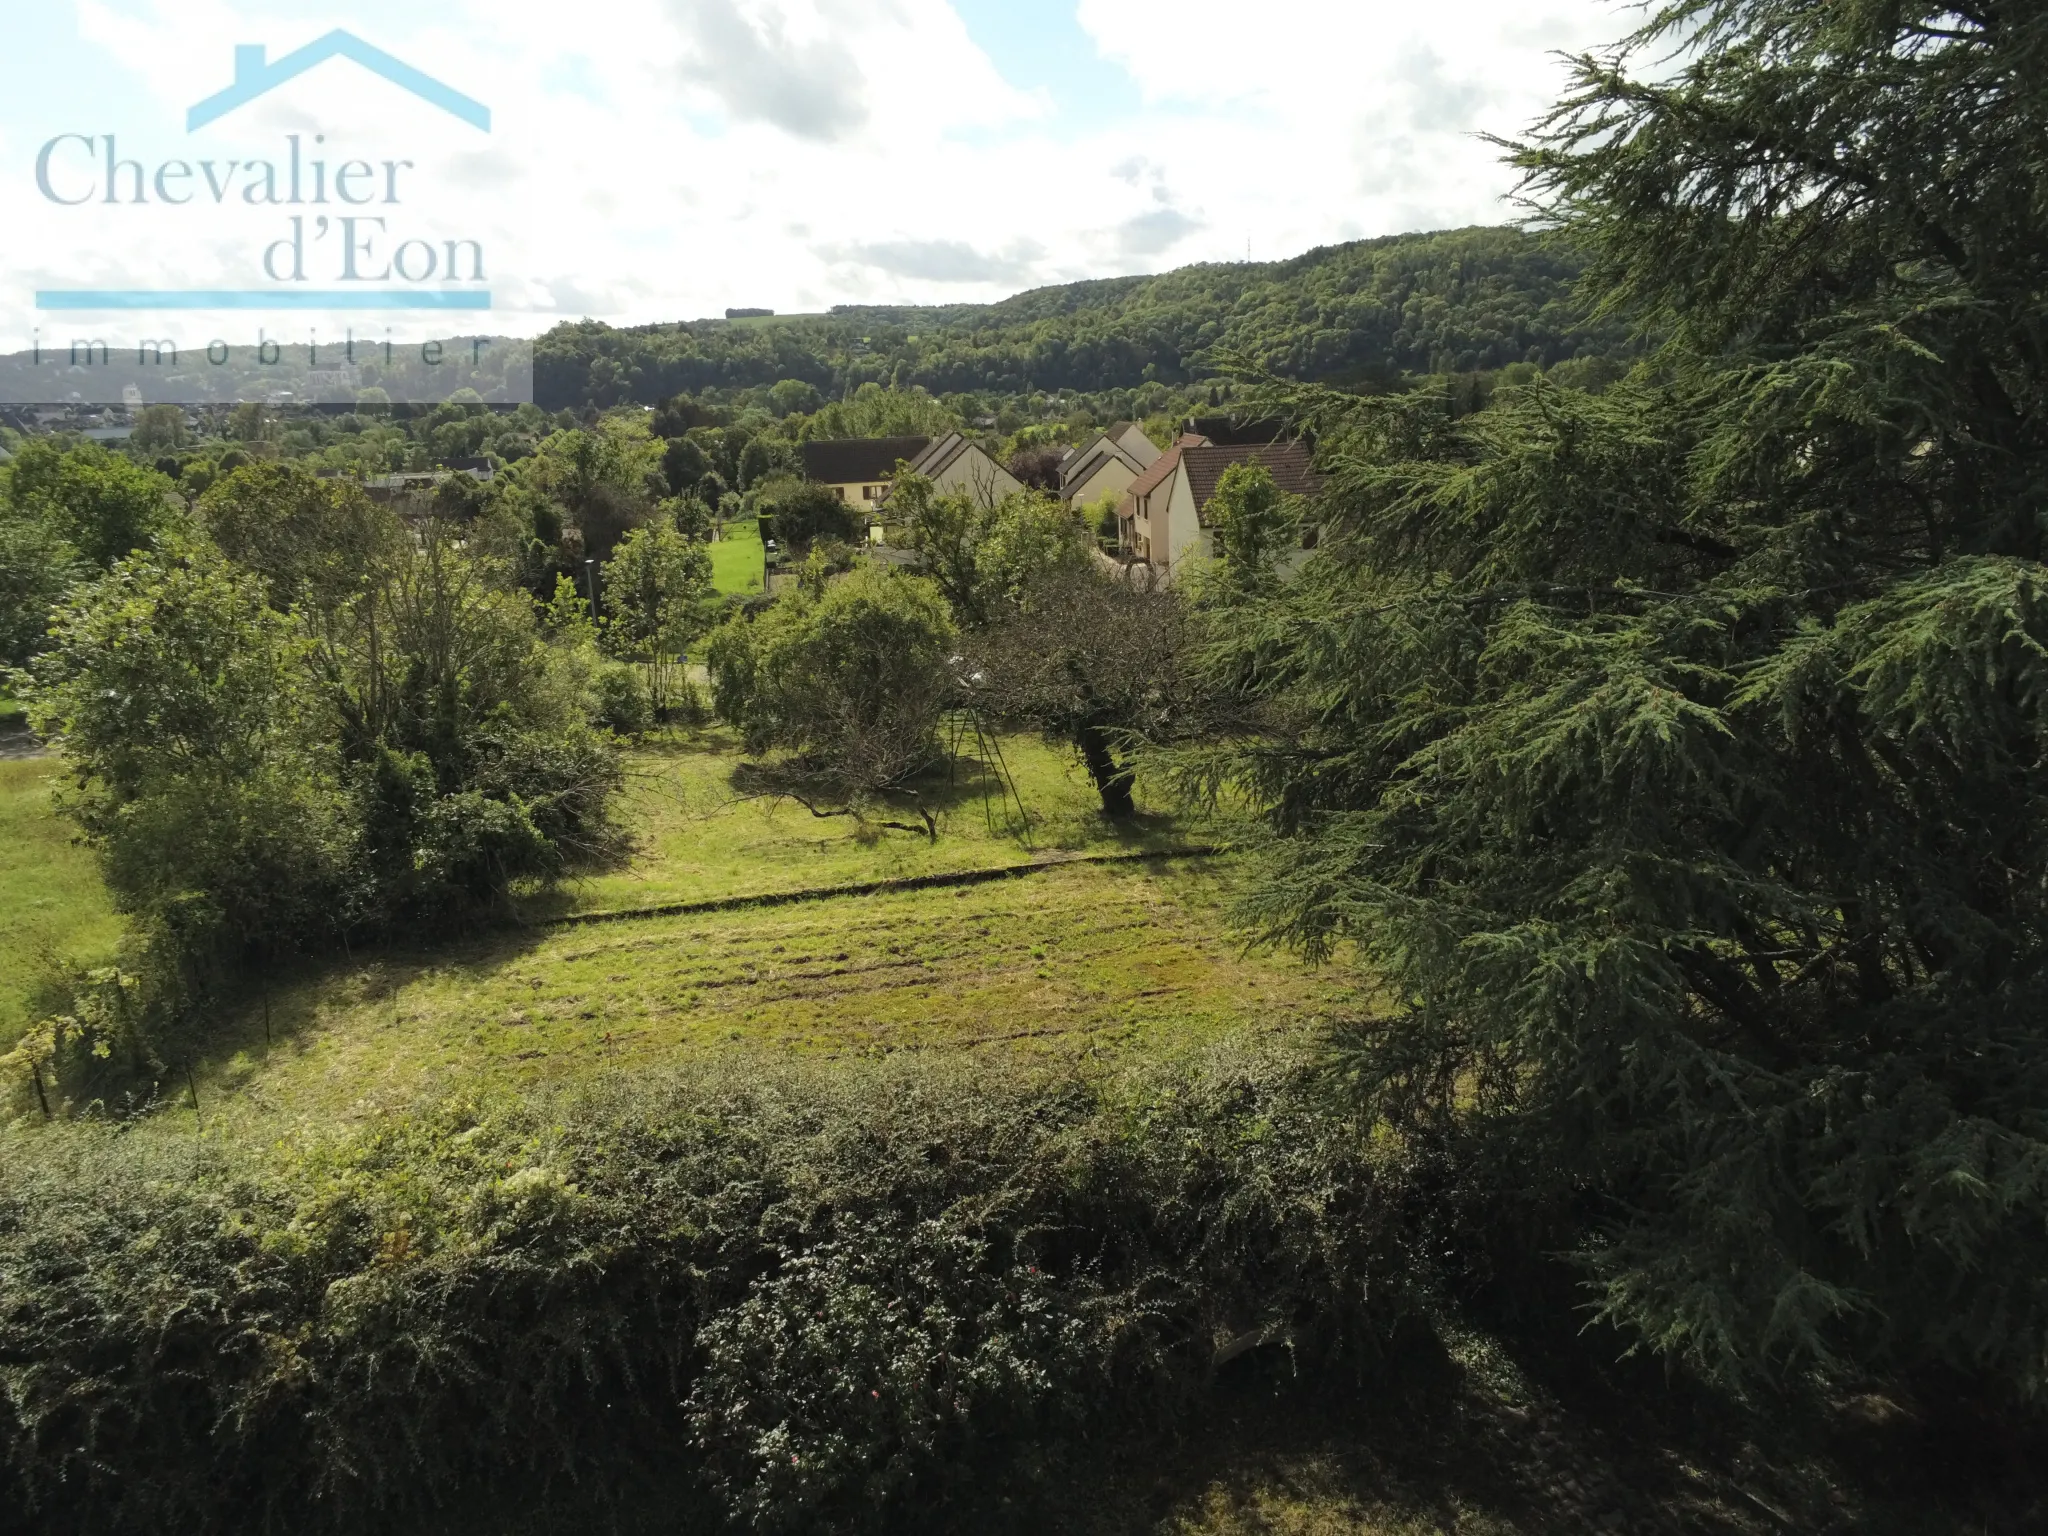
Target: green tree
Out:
[852,682]
[181,701]
[684,464]
[764,456]
[1095,664]
[1255,523]
[790,397]
[315,540]
[872,411]
[799,514]
[1674,754]
[36,568]
[984,556]
[657,593]
[98,503]
[159,427]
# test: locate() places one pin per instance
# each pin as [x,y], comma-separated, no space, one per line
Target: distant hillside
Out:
[1371,311]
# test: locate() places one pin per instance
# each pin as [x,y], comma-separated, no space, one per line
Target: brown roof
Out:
[1291,465]
[1162,468]
[856,460]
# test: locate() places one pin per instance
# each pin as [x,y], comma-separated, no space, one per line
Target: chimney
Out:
[251,63]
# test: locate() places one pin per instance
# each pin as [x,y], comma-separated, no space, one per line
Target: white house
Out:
[1164,519]
[957,463]
[1106,465]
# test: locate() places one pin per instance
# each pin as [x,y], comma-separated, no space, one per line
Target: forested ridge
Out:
[1371,312]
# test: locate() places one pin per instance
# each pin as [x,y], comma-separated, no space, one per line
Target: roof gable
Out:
[1131,438]
[1161,469]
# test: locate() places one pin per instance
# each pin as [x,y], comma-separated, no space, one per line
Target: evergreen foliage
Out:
[1676,753]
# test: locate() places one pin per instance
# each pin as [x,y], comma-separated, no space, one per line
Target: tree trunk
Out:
[1112,782]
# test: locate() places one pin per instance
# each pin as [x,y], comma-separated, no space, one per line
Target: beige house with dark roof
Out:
[957,463]
[1164,519]
[1107,465]
[859,468]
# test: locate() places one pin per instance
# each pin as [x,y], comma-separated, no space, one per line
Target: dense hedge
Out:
[809,1292]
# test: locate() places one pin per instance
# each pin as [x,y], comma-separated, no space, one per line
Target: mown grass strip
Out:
[876,887]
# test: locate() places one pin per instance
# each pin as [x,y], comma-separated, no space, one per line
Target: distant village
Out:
[1160,495]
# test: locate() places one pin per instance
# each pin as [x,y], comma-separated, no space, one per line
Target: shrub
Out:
[398,750]
[622,700]
[800,514]
[657,594]
[350,1330]
[851,680]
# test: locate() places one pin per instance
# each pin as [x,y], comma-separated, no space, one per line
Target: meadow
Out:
[1107,940]
[53,908]
[738,566]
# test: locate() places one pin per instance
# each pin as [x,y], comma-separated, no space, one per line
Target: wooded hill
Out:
[1368,313]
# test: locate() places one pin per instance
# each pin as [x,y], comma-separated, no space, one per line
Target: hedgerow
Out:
[814,1293]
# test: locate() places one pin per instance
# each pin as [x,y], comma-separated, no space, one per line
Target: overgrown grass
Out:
[705,826]
[738,561]
[1085,965]
[52,903]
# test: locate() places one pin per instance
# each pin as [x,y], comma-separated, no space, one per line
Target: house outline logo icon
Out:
[255,76]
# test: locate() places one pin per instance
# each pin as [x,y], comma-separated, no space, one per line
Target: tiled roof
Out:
[1292,466]
[858,460]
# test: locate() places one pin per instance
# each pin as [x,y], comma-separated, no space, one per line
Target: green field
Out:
[52,905]
[1077,962]
[13,714]
[1082,963]
[705,827]
[737,559]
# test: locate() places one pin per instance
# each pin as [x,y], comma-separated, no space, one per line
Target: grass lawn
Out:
[737,560]
[51,899]
[1079,964]
[704,827]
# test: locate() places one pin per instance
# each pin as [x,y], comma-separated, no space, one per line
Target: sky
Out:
[654,160]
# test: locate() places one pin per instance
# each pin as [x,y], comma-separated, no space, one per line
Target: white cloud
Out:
[662,159]
[761,73]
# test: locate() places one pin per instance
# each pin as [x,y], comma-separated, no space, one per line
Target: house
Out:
[1134,514]
[957,463]
[1107,465]
[859,468]
[1165,517]
[418,482]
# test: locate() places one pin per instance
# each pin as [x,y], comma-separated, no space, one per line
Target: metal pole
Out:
[590,585]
